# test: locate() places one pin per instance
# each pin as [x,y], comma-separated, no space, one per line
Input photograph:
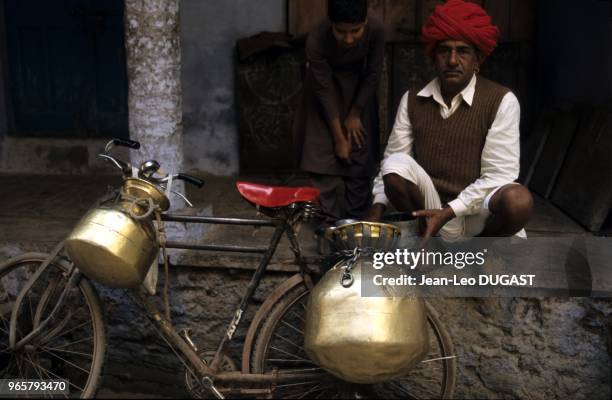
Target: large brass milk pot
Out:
[364,339]
[112,247]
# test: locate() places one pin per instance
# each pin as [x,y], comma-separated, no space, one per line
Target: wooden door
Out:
[67,74]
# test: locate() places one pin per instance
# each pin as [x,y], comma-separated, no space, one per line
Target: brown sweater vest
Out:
[449,150]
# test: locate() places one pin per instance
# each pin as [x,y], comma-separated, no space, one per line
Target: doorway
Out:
[66,68]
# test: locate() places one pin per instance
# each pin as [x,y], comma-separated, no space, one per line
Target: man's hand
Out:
[354,129]
[376,212]
[434,220]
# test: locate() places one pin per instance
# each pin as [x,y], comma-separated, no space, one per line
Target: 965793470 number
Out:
[17,387]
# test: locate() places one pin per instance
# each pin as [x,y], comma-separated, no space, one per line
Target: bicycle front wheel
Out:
[72,347]
[279,346]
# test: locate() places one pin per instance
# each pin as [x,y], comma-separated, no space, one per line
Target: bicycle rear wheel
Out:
[72,347]
[279,346]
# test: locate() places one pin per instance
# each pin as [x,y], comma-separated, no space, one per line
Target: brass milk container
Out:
[110,246]
[364,339]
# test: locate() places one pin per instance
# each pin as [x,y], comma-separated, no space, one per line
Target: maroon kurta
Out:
[336,78]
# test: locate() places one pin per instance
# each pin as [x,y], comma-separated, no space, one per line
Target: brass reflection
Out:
[110,247]
[364,339]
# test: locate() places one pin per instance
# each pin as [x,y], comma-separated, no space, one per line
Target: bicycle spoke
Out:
[288,341]
[67,351]
[35,369]
[291,355]
[61,325]
[58,377]
[66,361]
[421,377]
[283,360]
[292,327]
[315,390]
[7,322]
[49,377]
[403,390]
[34,364]
[299,316]
[309,391]
[60,334]
[320,396]
[18,365]
[425,393]
[437,359]
[75,342]
[38,372]
[296,384]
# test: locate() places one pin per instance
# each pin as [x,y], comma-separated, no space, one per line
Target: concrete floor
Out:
[38,211]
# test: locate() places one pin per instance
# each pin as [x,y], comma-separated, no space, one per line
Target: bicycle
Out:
[52,324]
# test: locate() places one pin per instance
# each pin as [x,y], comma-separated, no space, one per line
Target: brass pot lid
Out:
[378,235]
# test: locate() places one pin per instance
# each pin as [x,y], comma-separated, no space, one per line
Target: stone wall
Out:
[209,31]
[506,348]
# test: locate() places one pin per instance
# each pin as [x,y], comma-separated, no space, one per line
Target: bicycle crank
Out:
[204,389]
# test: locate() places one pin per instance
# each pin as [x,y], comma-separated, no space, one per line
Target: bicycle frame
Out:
[283,224]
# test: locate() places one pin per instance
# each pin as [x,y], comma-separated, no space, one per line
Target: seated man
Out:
[453,155]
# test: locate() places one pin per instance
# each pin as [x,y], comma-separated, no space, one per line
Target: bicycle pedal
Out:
[196,387]
[208,384]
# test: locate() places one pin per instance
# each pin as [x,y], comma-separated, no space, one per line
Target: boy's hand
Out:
[354,129]
[343,149]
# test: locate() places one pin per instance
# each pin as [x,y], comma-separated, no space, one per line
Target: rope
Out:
[162,239]
[161,231]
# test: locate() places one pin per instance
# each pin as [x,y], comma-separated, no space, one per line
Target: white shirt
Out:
[500,155]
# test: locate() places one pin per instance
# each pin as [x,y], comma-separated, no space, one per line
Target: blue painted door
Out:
[67,72]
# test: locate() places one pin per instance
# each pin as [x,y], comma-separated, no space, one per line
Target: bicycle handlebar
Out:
[191,179]
[132,144]
[148,169]
[122,165]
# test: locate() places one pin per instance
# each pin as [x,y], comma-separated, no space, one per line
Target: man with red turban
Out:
[453,155]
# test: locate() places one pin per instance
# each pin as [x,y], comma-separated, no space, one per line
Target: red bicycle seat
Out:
[276,196]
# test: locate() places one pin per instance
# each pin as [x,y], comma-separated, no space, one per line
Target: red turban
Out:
[460,20]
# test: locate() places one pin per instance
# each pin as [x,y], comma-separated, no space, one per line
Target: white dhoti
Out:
[457,228]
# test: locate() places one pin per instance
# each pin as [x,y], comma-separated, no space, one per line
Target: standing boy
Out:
[336,124]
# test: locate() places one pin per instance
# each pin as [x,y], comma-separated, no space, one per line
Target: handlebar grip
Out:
[132,144]
[191,179]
